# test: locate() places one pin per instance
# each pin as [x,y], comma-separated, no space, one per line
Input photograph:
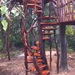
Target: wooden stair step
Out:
[30,60]
[35,48]
[40,60]
[46,38]
[48,28]
[39,11]
[45,72]
[49,23]
[38,6]
[32,1]
[47,17]
[37,43]
[47,33]
[31,5]
[40,66]
[35,54]
[29,54]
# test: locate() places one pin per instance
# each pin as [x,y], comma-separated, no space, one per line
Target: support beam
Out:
[63,63]
[57,51]
[50,54]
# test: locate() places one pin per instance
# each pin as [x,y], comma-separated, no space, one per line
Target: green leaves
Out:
[5,24]
[69,30]
[3,9]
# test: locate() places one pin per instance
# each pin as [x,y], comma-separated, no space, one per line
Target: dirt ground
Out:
[16,65]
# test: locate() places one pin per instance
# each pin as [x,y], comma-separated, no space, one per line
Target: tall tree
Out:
[3,37]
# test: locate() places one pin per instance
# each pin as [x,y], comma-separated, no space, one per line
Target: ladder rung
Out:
[46,38]
[50,23]
[48,28]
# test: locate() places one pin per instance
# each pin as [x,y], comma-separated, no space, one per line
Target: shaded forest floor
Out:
[16,65]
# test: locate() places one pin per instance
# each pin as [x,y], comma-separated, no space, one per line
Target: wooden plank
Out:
[47,17]
[58,23]
[50,23]
[31,5]
[39,11]
[48,28]
[46,38]
[32,1]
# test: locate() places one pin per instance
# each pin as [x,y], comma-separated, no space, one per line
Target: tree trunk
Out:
[63,62]
[8,41]
[3,37]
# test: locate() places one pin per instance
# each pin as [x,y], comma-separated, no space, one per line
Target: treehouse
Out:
[61,13]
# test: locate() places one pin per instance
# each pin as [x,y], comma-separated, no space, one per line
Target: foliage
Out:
[4,11]
[3,55]
[15,35]
[15,53]
[69,30]
[70,50]
[4,23]
[71,41]
[70,35]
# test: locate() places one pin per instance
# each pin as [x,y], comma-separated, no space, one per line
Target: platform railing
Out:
[66,10]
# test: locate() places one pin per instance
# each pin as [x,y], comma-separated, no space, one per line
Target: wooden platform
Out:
[58,23]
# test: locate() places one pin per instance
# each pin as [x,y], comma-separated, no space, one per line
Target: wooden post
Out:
[50,54]
[57,51]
